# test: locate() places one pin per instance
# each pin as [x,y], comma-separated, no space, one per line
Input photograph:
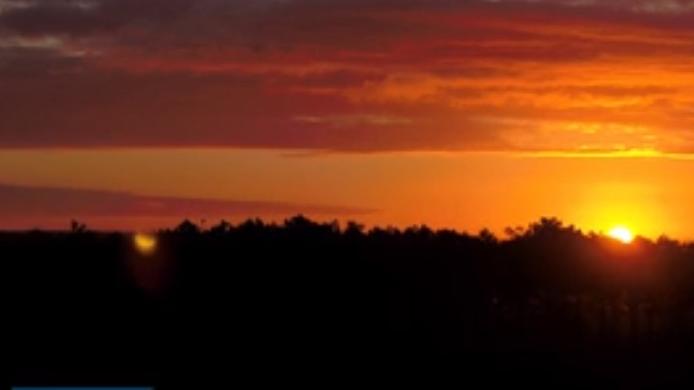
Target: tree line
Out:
[305,300]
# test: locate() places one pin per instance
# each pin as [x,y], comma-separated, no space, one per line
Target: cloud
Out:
[344,75]
[353,120]
[47,202]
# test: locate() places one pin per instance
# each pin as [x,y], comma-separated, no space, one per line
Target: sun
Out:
[145,243]
[621,233]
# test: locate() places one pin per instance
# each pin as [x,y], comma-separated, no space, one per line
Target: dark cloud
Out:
[18,62]
[27,202]
[89,17]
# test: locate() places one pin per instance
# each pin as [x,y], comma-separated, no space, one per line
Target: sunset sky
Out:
[132,114]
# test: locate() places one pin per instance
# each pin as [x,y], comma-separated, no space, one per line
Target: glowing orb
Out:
[621,233]
[145,243]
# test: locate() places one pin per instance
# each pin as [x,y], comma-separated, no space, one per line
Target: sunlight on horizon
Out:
[622,233]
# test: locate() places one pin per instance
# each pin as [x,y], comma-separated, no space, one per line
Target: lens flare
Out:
[145,243]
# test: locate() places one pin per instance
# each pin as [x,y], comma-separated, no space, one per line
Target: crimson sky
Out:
[263,83]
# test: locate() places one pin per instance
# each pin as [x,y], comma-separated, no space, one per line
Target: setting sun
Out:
[621,233]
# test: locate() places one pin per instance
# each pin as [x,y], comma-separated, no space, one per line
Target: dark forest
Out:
[316,304]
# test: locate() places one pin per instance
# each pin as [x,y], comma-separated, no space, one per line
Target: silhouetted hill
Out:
[315,304]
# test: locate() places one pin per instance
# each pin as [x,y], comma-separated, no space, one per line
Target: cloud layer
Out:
[356,75]
[46,203]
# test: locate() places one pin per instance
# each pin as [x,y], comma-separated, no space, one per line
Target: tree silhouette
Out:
[188,228]
[77,227]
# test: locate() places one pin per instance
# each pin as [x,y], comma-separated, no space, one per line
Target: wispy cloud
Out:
[50,202]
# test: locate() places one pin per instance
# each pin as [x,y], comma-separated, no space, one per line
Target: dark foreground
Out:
[312,305]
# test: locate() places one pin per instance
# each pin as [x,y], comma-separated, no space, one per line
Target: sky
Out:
[133,114]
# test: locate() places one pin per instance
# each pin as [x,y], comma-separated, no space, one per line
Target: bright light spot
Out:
[145,243]
[621,233]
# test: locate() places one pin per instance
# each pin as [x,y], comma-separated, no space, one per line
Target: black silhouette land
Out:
[316,304]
